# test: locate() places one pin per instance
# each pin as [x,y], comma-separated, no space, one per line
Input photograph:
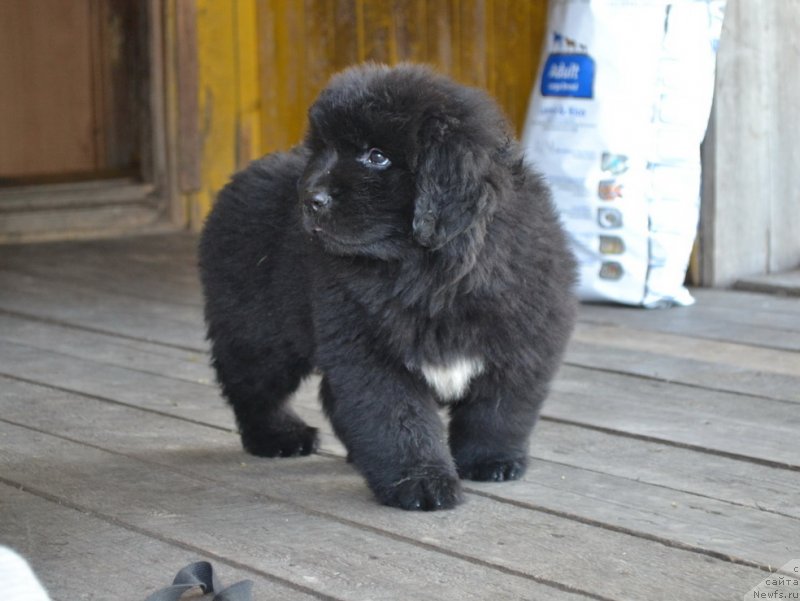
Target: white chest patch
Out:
[452,380]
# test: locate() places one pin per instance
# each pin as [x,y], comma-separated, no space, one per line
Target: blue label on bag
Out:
[568,75]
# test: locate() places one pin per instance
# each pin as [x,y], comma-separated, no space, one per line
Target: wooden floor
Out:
[666,464]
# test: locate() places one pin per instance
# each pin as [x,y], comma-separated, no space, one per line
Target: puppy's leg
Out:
[393,435]
[490,429]
[257,385]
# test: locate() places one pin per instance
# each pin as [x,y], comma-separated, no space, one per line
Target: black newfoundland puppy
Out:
[406,252]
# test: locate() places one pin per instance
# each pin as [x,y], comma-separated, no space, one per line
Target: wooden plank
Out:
[181,246]
[714,528]
[120,384]
[709,364]
[217,107]
[440,36]
[783,183]
[752,300]
[257,531]
[158,116]
[102,274]
[176,325]
[715,477]
[410,33]
[736,355]
[78,555]
[733,424]
[454,17]
[226,89]
[248,116]
[184,328]
[154,257]
[680,414]
[749,308]
[93,192]
[767,320]
[88,208]
[785,283]
[163,44]
[345,34]
[516,532]
[736,232]
[721,477]
[744,533]
[75,222]
[472,42]
[59,342]
[282,73]
[517,29]
[703,374]
[181,249]
[576,499]
[320,33]
[172,254]
[189,143]
[741,237]
[717,422]
[271,131]
[673,468]
[160,394]
[739,482]
[379,43]
[161,268]
[702,322]
[670,494]
[643,509]
[180,364]
[731,368]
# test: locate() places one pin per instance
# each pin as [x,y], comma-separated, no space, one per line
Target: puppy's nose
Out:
[319,200]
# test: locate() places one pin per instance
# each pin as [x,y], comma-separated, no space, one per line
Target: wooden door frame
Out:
[113,207]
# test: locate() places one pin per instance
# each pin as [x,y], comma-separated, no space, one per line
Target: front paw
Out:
[281,443]
[493,470]
[422,490]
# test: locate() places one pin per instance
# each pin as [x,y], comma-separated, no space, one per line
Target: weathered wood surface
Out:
[312,551]
[707,364]
[777,328]
[740,236]
[96,558]
[787,283]
[557,488]
[666,465]
[492,45]
[521,531]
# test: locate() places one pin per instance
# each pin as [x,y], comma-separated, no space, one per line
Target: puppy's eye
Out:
[376,158]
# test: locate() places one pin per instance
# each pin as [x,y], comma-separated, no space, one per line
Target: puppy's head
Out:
[400,157]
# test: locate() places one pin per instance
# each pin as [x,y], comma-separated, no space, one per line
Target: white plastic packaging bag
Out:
[615,122]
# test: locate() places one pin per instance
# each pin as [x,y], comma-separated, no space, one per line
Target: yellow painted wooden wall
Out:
[494,44]
[261,63]
[228,106]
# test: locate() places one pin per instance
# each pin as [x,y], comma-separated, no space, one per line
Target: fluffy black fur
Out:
[404,234]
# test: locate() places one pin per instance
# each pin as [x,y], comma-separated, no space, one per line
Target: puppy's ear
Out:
[453,182]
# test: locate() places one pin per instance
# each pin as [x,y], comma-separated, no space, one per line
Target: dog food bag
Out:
[615,122]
